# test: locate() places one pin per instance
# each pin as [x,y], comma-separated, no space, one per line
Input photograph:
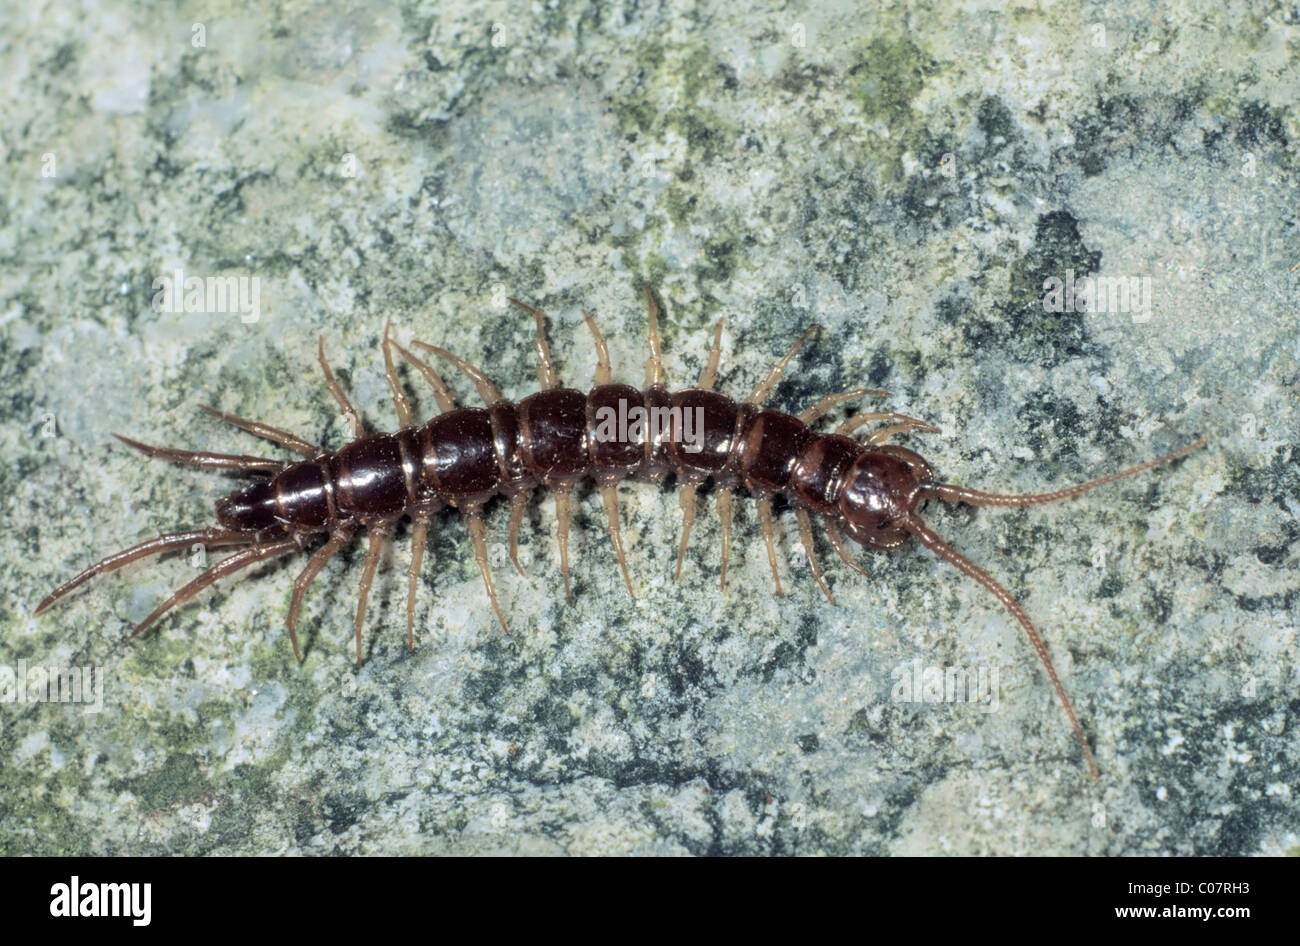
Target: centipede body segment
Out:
[868,490]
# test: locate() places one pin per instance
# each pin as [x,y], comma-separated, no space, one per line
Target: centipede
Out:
[864,489]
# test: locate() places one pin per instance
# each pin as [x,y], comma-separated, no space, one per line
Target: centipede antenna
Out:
[518,506]
[764,504]
[338,538]
[336,389]
[562,516]
[545,368]
[227,566]
[837,543]
[400,402]
[685,499]
[486,389]
[609,493]
[764,388]
[974,497]
[710,372]
[229,462]
[941,548]
[378,537]
[857,420]
[724,515]
[474,519]
[441,393]
[654,366]
[167,542]
[266,432]
[603,373]
[831,401]
[419,538]
[806,537]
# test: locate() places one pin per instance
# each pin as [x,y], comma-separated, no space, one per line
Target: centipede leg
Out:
[724,514]
[603,373]
[518,506]
[400,402]
[265,431]
[710,372]
[837,543]
[764,388]
[686,499]
[229,462]
[482,383]
[609,493]
[884,433]
[831,401]
[806,537]
[227,566]
[419,538]
[338,538]
[545,368]
[336,389]
[474,519]
[908,423]
[764,504]
[379,535]
[654,366]
[563,513]
[441,393]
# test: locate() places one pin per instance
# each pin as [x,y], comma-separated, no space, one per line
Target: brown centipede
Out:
[869,490]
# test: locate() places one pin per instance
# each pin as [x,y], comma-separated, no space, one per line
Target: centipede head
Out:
[884,487]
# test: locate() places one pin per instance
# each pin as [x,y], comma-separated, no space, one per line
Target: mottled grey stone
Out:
[907,178]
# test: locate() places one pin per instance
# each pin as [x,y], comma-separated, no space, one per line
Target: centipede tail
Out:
[227,566]
[266,432]
[229,462]
[168,542]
